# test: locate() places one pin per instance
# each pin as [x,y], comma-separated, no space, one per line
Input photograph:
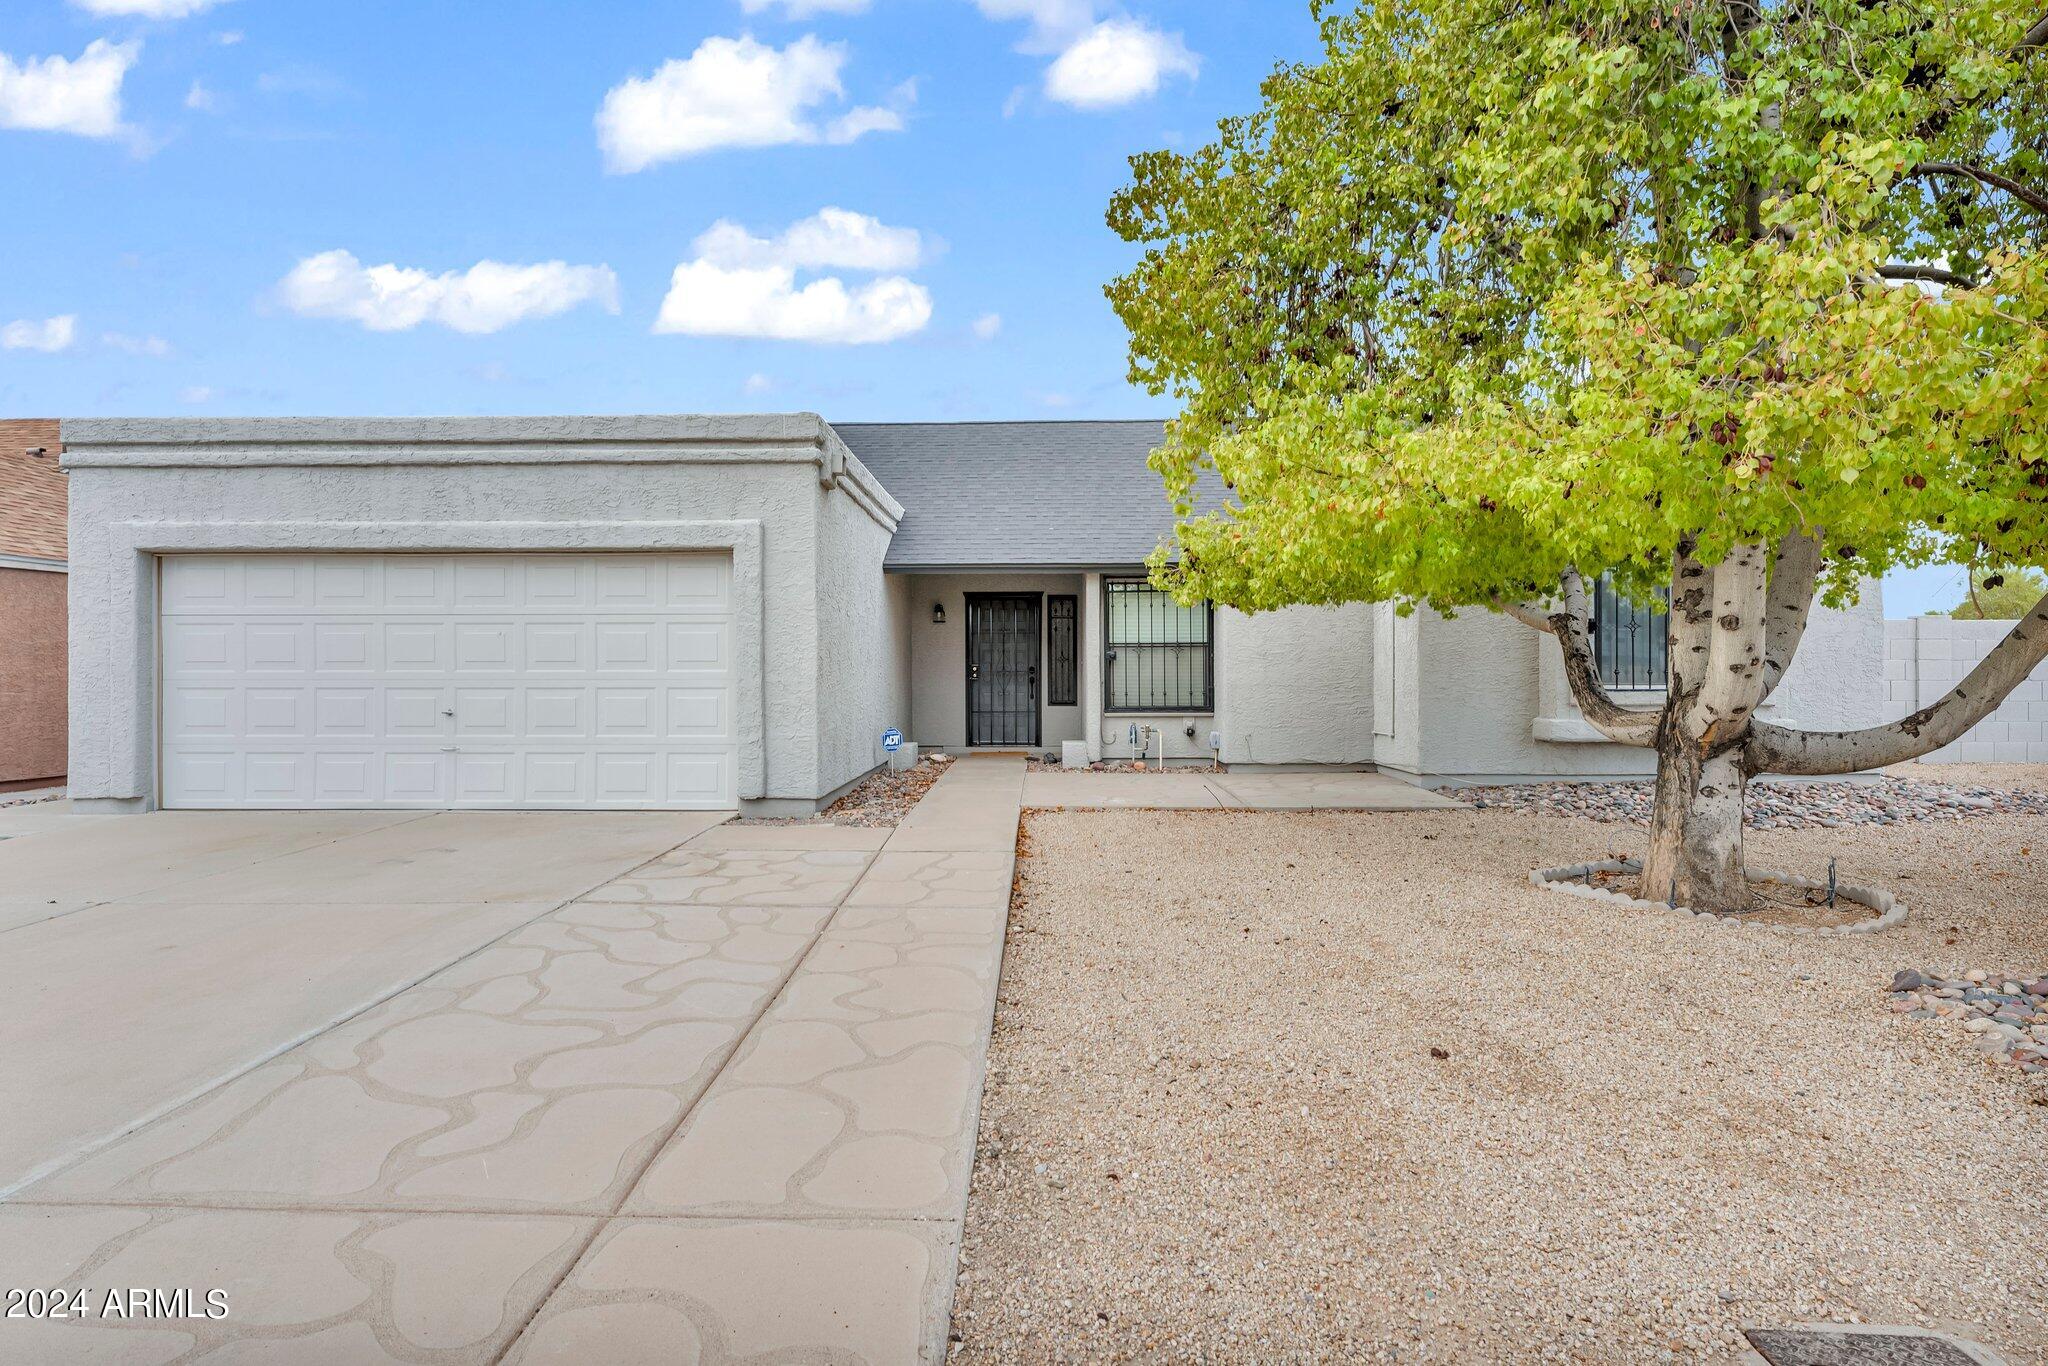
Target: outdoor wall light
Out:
[938,614]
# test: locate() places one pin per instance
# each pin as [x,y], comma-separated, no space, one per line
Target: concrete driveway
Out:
[145,958]
[470,1088]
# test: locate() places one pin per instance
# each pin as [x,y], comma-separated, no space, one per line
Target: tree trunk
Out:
[1695,853]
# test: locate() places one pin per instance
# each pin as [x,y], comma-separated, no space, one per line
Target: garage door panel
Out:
[196,713]
[279,646]
[199,648]
[414,582]
[417,776]
[697,585]
[271,713]
[486,777]
[417,647]
[347,713]
[700,778]
[448,680]
[558,713]
[347,647]
[277,584]
[699,645]
[487,713]
[627,585]
[202,777]
[487,647]
[562,778]
[631,647]
[698,714]
[200,583]
[560,647]
[346,776]
[348,583]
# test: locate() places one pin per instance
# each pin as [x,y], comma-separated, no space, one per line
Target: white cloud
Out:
[735,92]
[51,334]
[201,99]
[831,238]
[488,297]
[1053,22]
[54,95]
[229,37]
[804,9]
[706,299]
[155,347]
[758,383]
[988,326]
[1116,62]
[198,393]
[146,9]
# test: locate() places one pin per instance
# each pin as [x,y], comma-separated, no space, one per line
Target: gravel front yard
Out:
[1291,1086]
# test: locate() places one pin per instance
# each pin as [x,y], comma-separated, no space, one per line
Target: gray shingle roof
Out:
[1017,494]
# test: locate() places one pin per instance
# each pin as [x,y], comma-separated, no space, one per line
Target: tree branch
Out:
[1527,613]
[1623,725]
[2037,36]
[1777,749]
[2032,198]
[1934,275]
[1789,604]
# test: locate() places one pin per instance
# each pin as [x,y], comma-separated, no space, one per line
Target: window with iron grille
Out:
[1157,655]
[1630,639]
[1061,649]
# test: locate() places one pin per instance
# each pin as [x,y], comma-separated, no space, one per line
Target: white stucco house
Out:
[710,612]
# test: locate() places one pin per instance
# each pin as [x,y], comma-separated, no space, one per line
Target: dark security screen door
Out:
[1002,670]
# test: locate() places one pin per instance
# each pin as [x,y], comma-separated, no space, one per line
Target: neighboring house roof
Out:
[1015,494]
[32,494]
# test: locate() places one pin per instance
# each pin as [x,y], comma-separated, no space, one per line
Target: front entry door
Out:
[1002,669]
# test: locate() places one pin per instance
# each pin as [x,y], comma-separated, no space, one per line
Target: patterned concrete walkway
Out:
[722,1107]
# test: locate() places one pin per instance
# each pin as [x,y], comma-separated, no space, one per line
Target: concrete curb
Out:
[1891,911]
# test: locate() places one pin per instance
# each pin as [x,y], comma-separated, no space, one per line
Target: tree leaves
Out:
[1491,291]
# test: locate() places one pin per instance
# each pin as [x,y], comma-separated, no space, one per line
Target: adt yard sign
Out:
[892,739]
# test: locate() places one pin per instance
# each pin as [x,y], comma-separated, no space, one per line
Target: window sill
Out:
[1157,711]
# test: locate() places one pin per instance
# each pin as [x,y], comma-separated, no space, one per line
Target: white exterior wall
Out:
[1296,686]
[863,664]
[753,487]
[1927,656]
[1491,700]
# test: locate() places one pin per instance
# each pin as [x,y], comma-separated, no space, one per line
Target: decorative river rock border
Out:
[1572,881]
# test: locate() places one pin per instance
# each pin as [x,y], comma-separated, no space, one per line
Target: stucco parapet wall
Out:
[366,442]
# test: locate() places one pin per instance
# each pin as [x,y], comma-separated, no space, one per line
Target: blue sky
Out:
[252,136]
[384,207]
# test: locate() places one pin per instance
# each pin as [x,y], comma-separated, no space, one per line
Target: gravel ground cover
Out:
[880,800]
[2006,1013]
[1776,805]
[1292,1086]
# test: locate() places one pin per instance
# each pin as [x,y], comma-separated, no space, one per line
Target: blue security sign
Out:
[892,739]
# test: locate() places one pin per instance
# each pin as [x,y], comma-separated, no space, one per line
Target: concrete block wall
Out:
[1926,656]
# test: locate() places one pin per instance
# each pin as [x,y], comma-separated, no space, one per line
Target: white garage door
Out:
[448,681]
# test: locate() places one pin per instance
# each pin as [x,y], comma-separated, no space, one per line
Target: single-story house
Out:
[710,612]
[33,565]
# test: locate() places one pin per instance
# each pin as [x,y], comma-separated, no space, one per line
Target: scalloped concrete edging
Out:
[1891,912]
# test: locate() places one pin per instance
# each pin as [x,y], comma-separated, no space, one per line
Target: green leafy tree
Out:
[2000,595]
[1743,298]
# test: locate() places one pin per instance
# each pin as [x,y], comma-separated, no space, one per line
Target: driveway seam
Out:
[654,1153]
[76,1157]
[955,1219]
